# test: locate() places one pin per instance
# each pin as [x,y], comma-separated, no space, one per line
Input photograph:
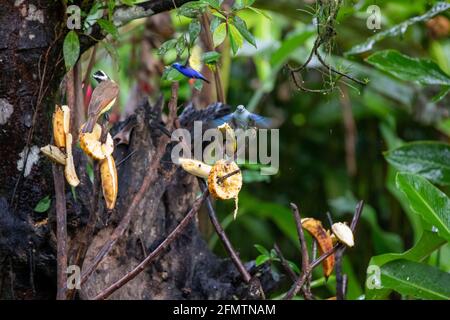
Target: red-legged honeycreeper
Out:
[188,72]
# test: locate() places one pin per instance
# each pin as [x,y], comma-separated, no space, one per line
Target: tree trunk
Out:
[30,70]
[31,67]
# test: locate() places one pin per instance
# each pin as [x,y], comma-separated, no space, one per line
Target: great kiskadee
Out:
[103,98]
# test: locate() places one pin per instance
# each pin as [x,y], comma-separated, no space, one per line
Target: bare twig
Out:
[61,231]
[223,237]
[155,253]
[285,264]
[303,247]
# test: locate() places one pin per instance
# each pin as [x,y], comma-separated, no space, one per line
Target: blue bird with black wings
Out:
[188,72]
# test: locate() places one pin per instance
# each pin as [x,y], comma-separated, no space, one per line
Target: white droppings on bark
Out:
[34,14]
[6,110]
[33,158]
[31,36]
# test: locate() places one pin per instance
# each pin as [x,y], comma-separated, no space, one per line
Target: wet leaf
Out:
[428,159]
[243,30]
[416,279]
[426,200]
[236,40]
[421,71]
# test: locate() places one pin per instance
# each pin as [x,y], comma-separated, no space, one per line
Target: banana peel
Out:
[343,233]
[92,146]
[110,184]
[195,167]
[228,188]
[59,135]
[54,154]
[324,240]
[229,137]
[69,169]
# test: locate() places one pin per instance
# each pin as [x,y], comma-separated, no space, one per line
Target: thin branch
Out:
[285,264]
[61,231]
[303,247]
[155,253]
[223,237]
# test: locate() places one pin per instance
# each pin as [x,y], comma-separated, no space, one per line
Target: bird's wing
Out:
[102,96]
[260,121]
[220,121]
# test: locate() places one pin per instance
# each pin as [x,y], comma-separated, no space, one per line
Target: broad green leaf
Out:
[43,204]
[427,244]
[108,27]
[416,279]
[241,4]
[180,46]
[211,57]
[243,30]
[194,31]
[71,49]
[215,22]
[172,75]
[261,259]
[236,40]
[262,250]
[398,29]
[219,34]
[166,46]
[213,3]
[421,71]
[192,9]
[427,201]
[428,159]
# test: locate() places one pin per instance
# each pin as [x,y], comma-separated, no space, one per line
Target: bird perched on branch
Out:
[244,119]
[188,72]
[103,98]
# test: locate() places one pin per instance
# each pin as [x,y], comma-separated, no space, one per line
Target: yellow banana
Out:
[110,183]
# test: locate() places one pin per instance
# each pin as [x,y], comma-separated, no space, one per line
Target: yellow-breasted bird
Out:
[103,98]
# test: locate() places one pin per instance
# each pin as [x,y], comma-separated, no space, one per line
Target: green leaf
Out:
[426,200]
[194,31]
[172,75]
[112,51]
[421,71]
[243,30]
[293,266]
[219,34]
[192,9]
[108,27]
[398,29]
[428,159]
[241,4]
[416,279]
[262,250]
[427,244]
[236,40]
[166,46]
[128,2]
[71,49]
[213,3]
[441,95]
[215,22]
[180,46]
[211,57]
[261,259]
[43,205]
[260,12]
